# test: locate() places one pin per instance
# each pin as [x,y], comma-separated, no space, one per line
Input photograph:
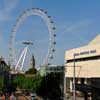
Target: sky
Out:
[77,22]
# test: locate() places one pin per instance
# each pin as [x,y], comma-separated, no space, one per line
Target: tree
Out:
[19,81]
[4,75]
[31,71]
[1,83]
[49,87]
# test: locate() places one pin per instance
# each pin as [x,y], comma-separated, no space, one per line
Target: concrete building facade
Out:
[86,60]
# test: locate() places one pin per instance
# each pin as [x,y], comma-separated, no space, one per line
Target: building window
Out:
[83,59]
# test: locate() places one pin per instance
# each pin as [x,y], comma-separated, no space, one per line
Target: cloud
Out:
[5,15]
[5,12]
[9,5]
[76,26]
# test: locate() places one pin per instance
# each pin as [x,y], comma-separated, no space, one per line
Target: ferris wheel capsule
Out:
[53,28]
[54,35]
[54,43]
[45,12]
[48,64]
[49,16]
[51,57]
[53,50]
[42,10]
[52,22]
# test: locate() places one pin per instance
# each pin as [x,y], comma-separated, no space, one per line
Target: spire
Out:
[32,62]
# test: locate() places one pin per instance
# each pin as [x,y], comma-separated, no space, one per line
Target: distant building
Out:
[32,62]
[51,69]
[54,69]
[86,60]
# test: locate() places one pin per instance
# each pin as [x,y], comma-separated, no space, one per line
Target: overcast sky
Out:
[76,21]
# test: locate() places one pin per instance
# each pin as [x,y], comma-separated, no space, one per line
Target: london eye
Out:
[51,33]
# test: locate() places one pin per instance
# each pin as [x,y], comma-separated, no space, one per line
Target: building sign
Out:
[85,52]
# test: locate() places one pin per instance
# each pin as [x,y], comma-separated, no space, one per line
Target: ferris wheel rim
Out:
[51,30]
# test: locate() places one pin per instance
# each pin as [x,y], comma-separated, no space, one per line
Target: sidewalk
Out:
[69,97]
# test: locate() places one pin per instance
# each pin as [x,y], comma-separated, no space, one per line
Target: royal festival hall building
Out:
[86,60]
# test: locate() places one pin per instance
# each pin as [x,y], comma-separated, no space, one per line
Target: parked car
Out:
[33,96]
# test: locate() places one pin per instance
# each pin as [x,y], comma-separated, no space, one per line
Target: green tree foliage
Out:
[31,71]
[27,83]
[1,83]
[45,86]
[4,75]
[19,80]
[49,87]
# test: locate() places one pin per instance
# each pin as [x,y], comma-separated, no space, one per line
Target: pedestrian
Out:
[3,97]
[12,97]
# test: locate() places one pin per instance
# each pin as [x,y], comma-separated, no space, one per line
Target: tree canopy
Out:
[31,71]
[44,86]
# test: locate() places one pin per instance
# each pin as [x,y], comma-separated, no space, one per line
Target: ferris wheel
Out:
[51,30]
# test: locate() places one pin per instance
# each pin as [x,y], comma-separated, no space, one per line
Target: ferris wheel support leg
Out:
[23,58]
[20,59]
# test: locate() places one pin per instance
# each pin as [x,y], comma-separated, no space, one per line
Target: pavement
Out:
[70,97]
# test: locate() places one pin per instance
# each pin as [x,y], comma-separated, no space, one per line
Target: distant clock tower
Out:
[32,62]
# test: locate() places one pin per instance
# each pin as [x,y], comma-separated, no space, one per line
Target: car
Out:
[33,96]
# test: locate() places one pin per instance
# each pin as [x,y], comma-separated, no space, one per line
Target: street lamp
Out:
[74,91]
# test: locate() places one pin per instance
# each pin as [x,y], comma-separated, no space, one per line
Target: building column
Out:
[71,85]
[85,81]
[79,81]
[89,96]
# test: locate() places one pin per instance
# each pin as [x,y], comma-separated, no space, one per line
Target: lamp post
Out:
[74,91]
[64,85]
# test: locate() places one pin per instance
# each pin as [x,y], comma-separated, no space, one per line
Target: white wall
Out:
[84,69]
